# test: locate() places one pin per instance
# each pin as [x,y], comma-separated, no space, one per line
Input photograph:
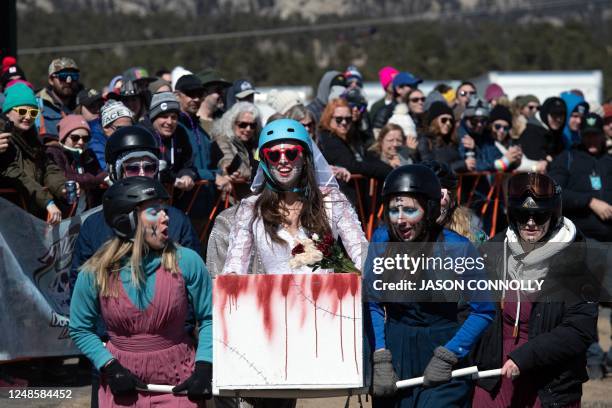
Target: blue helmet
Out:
[282,129]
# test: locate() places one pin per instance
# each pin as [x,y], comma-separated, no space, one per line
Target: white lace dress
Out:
[275,257]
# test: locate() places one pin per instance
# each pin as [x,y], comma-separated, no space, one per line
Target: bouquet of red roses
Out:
[321,253]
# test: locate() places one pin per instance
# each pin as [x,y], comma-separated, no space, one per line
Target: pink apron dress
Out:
[151,343]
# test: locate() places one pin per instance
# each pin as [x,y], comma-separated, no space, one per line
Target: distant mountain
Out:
[314,9]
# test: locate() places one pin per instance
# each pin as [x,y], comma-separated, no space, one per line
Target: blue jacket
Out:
[98,142]
[480,315]
[200,144]
[95,232]
[571,138]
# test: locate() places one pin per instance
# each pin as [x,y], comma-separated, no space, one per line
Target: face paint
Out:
[407,217]
[155,222]
[410,213]
[286,172]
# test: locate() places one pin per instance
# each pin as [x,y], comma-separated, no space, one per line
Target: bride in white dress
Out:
[296,196]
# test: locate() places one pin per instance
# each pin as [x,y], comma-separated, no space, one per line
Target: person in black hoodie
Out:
[539,337]
[542,139]
[174,145]
[583,172]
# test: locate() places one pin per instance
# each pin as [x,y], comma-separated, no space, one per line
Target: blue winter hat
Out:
[18,95]
[406,78]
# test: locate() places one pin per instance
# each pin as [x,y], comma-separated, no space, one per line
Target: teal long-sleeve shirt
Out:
[85,304]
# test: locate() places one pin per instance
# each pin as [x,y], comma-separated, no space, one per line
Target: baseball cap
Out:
[59,64]
[211,78]
[243,88]
[188,83]
[406,78]
[592,123]
[87,97]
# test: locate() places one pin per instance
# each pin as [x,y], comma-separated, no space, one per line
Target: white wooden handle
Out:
[411,382]
[167,389]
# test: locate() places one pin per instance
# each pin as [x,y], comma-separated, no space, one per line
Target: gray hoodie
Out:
[318,104]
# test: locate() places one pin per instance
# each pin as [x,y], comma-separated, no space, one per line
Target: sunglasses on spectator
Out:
[33,112]
[67,76]
[466,93]
[359,107]
[136,168]
[274,156]
[308,125]
[340,119]
[497,126]
[477,121]
[76,138]
[417,99]
[244,125]
[532,107]
[523,216]
[445,120]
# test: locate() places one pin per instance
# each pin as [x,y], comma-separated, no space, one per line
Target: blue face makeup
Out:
[152,213]
[409,213]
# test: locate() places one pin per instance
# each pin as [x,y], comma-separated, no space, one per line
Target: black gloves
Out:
[440,367]
[199,385]
[384,376]
[121,380]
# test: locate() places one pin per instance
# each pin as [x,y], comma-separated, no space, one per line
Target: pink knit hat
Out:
[493,91]
[385,75]
[70,123]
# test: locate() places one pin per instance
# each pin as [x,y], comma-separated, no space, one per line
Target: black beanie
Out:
[438,109]
[500,112]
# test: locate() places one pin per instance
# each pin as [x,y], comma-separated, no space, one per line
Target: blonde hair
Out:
[106,263]
[461,223]
[377,145]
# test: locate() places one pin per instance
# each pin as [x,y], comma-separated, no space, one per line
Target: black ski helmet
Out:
[533,194]
[128,139]
[415,179]
[122,198]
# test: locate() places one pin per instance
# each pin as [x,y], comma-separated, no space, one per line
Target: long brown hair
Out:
[106,263]
[435,137]
[312,215]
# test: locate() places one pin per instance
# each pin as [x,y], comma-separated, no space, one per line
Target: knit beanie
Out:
[113,110]
[163,102]
[353,74]
[70,123]
[438,109]
[385,75]
[500,112]
[18,95]
[282,101]
[523,100]
[493,91]
[155,85]
[10,69]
